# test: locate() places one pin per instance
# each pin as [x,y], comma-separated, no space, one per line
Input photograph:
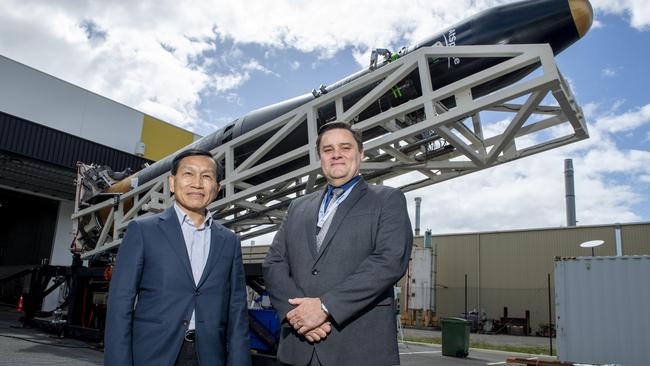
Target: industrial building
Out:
[511,268]
[47,125]
[504,269]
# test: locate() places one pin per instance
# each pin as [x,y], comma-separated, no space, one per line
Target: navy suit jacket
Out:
[152,295]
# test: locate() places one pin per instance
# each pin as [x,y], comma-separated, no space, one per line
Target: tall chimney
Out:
[418,202]
[570,193]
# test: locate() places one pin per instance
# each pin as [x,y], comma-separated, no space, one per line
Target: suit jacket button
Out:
[314,272]
[197,293]
[186,323]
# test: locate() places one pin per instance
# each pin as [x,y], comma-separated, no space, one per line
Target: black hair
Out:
[194,152]
[342,125]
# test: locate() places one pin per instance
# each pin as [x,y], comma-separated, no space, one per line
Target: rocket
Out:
[559,23]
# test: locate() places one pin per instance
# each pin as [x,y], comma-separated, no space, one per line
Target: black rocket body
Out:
[560,23]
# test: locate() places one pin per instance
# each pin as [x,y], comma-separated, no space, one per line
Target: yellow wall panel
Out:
[161,139]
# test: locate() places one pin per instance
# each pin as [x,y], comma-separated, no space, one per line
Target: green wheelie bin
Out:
[455,337]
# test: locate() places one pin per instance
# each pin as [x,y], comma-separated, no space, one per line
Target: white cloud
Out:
[114,51]
[637,10]
[254,65]
[597,23]
[624,122]
[608,72]
[362,57]
[294,65]
[156,56]
[228,81]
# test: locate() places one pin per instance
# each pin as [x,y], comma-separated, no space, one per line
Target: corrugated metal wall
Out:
[602,305]
[510,269]
[636,239]
[457,257]
[22,137]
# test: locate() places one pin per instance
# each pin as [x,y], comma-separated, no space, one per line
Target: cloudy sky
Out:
[201,64]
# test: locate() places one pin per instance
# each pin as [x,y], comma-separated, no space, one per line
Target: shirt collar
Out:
[344,186]
[182,217]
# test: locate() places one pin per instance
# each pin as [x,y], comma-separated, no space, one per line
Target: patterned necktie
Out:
[336,193]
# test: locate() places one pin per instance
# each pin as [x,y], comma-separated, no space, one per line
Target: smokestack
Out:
[570,193]
[418,202]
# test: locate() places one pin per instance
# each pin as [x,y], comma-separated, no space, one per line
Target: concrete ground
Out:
[427,355]
[496,339]
[25,347]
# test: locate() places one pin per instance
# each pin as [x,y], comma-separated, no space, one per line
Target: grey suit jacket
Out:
[365,251]
[153,265]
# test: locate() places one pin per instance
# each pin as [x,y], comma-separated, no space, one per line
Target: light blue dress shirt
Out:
[197,242]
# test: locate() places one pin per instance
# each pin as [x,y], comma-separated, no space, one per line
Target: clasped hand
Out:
[309,319]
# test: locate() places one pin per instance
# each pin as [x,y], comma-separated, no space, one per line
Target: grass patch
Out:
[431,340]
[511,348]
[485,345]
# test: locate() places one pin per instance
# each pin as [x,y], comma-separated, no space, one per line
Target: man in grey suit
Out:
[178,296]
[333,263]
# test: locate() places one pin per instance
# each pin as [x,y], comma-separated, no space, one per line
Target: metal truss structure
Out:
[439,135]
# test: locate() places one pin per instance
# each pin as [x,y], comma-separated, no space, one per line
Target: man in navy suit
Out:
[178,294]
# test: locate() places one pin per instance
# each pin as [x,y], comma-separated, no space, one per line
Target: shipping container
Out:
[602,307]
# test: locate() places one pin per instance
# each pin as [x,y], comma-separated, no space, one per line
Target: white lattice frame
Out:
[472,152]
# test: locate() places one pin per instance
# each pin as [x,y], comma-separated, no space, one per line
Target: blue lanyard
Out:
[323,214]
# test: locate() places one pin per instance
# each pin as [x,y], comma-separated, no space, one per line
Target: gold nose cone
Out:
[583,15]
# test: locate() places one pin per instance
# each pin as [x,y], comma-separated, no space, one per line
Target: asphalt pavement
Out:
[27,346]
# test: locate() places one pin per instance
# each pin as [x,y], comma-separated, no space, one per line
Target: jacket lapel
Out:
[216,247]
[172,228]
[341,212]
